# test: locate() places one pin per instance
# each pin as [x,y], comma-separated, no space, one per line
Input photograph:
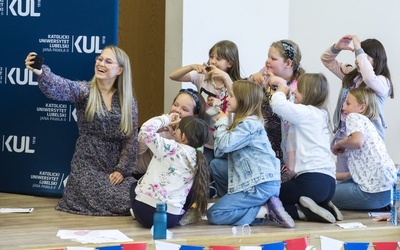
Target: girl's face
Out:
[275,62]
[352,106]
[219,62]
[183,105]
[370,60]
[107,67]
[178,135]
[232,103]
[298,98]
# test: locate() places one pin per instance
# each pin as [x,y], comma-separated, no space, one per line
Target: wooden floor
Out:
[37,230]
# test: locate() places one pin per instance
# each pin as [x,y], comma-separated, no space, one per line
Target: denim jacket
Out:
[251,160]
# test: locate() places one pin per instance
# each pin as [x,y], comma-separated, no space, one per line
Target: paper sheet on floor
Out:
[93,236]
[351,225]
[16,210]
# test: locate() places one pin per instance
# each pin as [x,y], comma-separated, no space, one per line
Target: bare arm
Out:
[342,175]
[183,74]
[354,141]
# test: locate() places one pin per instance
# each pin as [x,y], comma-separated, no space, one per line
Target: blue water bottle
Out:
[160,222]
[395,212]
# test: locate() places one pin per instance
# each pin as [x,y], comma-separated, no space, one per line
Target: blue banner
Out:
[38,134]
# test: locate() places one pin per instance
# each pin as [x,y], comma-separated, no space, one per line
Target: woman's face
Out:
[183,105]
[106,66]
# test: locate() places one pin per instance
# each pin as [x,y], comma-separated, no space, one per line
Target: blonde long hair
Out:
[124,86]
[249,96]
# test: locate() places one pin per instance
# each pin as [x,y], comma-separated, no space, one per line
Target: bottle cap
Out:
[161,206]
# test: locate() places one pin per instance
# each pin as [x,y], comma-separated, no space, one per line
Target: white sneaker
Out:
[132,214]
[334,210]
[314,212]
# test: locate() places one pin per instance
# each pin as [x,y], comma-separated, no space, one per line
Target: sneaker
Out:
[333,210]
[132,214]
[277,213]
[190,217]
[213,191]
[314,212]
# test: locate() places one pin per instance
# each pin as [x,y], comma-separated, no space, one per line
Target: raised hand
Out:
[344,43]
[29,61]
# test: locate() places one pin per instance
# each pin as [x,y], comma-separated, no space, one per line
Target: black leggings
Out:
[144,212]
[317,186]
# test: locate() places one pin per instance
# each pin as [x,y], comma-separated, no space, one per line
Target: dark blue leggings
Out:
[144,212]
[317,186]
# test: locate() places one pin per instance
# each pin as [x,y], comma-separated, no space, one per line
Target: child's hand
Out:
[337,150]
[278,84]
[199,68]
[174,119]
[385,217]
[221,114]
[274,82]
[356,42]
[259,78]
[344,43]
[207,68]
[217,73]
[174,122]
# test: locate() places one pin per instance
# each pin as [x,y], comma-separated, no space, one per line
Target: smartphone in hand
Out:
[37,62]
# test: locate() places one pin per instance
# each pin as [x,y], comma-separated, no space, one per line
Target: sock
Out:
[263,211]
[301,214]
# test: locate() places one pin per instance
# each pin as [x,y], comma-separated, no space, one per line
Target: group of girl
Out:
[272,161]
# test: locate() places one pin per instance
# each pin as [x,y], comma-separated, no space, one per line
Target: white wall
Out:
[252,24]
[194,26]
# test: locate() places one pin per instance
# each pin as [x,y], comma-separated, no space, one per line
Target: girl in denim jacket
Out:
[245,169]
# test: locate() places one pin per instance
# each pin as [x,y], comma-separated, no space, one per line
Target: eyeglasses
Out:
[107,61]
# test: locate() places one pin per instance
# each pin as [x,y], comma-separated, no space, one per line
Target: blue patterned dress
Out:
[100,150]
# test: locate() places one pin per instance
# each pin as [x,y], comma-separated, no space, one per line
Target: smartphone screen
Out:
[37,62]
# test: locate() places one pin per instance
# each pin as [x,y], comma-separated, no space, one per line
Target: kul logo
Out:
[20,77]
[83,44]
[21,145]
[23,8]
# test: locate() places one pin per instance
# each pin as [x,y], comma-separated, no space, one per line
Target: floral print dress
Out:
[100,150]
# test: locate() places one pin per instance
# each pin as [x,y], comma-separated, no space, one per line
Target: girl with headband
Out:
[282,64]
[187,102]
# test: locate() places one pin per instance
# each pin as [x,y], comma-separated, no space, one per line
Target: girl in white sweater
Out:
[308,145]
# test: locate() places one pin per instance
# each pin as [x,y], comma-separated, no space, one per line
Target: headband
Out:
[193,93]
[289,51]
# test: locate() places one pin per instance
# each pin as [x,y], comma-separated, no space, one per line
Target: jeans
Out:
[242,207]
[219,173]
[209,154]
[348,195]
